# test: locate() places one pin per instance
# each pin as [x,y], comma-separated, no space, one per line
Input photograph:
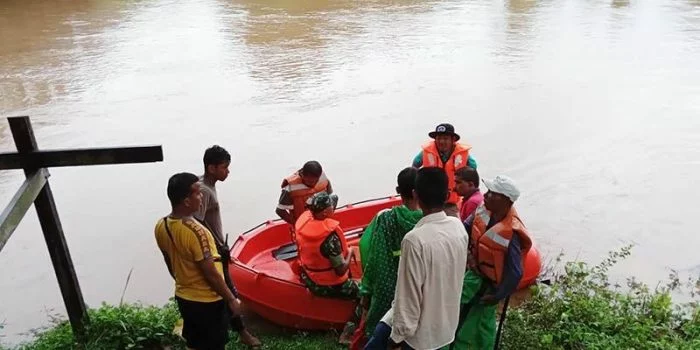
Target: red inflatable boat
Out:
[265,269]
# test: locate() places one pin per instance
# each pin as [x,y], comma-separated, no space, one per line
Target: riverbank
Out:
[582,309]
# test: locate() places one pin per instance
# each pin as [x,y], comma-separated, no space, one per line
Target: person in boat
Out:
[324,254]
[204,300]
[216,163]
[467,186]
[445,152]
[498,245]
[432,265]
[380,249]
[298,188]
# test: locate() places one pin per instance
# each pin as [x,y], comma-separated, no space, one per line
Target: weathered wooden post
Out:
[36,188]
[53,232]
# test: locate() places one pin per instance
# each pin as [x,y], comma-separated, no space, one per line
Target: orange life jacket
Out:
[300,192]
[309,235]
[489,247]
[458,159]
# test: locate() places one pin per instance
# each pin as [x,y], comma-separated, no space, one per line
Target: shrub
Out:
[582,310]
[128,326]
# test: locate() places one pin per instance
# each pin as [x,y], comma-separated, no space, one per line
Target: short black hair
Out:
[406,182]
[431,187]
[468,174]
[312,168]
[216,155]
[180,186]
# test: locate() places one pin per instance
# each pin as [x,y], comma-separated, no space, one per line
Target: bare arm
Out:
[285,205]
[214,279]
[284,215]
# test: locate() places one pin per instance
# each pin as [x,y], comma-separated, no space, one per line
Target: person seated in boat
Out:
[297,188]
[498,245]
[324,254]
[467,186]
[380,249]
[445,152]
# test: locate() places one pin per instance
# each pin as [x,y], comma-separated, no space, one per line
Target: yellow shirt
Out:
[193,243]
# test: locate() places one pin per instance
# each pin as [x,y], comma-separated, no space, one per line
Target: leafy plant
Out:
[582,310]
[134,326]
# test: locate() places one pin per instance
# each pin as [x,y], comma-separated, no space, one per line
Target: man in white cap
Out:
[498,245]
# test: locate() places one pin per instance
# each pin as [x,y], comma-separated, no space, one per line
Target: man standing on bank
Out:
[192,259]
[446,153]
[216,163]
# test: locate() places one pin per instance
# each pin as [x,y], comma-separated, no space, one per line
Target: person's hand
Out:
[234,305]
[489,299]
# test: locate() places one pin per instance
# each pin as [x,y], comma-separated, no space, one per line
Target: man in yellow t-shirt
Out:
[189,251]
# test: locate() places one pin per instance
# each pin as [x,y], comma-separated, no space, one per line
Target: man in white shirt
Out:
[433,261]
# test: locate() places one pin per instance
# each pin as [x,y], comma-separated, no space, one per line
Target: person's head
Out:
[322,205]
[502,193]
[184,193]
[406,183]
[466,181]
[431,188]
[310,173]
[445,137]
[216,162]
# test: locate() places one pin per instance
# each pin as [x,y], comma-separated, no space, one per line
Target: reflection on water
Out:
[44,43]
[287,42]
[620,3]
[590,105]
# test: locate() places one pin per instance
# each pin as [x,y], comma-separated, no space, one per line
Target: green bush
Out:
[134,326]
[129,326]
[582,310]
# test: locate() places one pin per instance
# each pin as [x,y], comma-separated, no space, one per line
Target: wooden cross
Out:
[36,189]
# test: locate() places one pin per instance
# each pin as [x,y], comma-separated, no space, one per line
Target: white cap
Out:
[503,185]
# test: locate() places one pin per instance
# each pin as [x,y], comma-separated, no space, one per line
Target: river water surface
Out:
[592,106]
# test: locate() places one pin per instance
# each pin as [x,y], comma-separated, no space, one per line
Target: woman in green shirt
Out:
[380,248]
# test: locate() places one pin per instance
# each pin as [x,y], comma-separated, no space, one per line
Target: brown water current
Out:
[593,107]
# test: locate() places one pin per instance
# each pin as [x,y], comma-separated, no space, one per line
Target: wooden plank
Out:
[53,234]
[20,203]
[76,157]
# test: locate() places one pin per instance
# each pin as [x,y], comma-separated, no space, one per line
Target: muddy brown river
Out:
[593,106]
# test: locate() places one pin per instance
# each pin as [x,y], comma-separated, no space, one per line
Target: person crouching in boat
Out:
[498,245]
[446,153]
[324,254]
[380,250]
[298,188]
[467,186]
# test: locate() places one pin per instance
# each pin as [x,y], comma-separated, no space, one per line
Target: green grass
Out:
[135,326]
[581,310]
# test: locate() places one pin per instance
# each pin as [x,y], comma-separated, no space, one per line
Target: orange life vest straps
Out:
[490,246]
[458,159]
[300,192]
[310,235]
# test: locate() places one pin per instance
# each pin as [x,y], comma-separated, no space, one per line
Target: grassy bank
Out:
[135,326]
[581,310]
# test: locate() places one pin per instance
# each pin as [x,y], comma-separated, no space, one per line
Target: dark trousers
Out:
[380,338]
